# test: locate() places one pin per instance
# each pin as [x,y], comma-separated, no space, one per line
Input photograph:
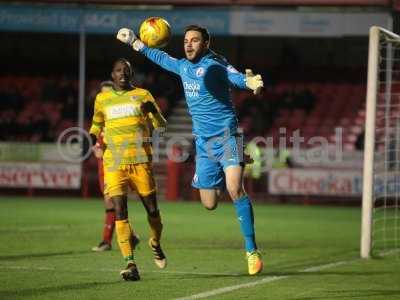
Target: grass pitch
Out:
[310,252]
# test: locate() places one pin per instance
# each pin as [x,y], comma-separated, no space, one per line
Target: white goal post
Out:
[381,175]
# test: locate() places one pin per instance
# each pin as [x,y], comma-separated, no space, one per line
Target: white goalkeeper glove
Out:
[254,82]
[127,36]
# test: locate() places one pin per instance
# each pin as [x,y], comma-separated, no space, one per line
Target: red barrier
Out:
[174,172]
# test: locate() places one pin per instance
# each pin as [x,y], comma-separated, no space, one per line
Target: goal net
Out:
[381,176]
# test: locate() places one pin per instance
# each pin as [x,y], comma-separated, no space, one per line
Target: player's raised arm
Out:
[98,119]
[95,130]
[236,78]
[243,81]
[159,57]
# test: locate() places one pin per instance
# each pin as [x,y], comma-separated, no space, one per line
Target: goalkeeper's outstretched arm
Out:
[253,82]
[159,57]
[244,81]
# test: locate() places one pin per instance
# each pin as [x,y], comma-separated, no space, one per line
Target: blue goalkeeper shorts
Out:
[213,156]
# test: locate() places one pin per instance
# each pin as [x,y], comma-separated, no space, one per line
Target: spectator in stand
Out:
[359,145]
[305,99]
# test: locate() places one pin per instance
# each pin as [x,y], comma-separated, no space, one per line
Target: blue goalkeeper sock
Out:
[244,211]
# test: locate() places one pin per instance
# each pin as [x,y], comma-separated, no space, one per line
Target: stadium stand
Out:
[37,109]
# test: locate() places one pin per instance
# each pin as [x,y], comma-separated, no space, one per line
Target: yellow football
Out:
[155,32]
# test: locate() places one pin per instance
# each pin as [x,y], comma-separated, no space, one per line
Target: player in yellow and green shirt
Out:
[127,115]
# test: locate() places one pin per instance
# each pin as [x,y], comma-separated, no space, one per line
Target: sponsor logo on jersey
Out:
[232,69]
[192,89]
[122,110]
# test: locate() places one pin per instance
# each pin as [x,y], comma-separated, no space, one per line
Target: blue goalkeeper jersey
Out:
[206,84]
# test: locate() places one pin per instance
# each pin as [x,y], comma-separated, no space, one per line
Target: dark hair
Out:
[204,32]
[124,61]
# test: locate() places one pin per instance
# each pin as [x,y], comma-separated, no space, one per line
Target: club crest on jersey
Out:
[232,69]
[200,72]
[195,178]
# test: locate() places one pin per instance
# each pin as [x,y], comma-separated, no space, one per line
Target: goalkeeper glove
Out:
[254,82]
[127,36]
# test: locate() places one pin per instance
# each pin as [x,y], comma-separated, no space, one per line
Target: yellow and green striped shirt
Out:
[126,130]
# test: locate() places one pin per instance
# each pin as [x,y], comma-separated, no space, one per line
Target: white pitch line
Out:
[196,273]
[44,268]
[34,228]
[33,268]
[25,268]
[180,272]
[389,252]
[218,291]
[232,288]
[265,280]
[329,266]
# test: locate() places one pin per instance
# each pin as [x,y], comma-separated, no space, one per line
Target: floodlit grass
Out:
[45,253]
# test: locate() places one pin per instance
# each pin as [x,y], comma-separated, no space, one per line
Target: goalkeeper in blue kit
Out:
[207,79]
